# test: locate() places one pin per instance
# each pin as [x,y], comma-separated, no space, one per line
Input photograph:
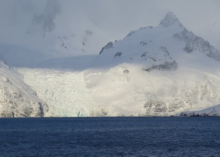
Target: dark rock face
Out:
[192,114]
[143,43]
[167,66]
[126,71]
[118,54]
[144,54]
[108,46]
[194,43]
[129,34]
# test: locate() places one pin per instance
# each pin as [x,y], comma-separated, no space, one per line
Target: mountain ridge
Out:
[153,71]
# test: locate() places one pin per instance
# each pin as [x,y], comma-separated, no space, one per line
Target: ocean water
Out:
[109,137]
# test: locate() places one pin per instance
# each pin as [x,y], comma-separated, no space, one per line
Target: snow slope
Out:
[153,71]
[170,70]
[16,98]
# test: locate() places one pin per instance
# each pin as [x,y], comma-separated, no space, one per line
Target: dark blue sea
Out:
[109,137]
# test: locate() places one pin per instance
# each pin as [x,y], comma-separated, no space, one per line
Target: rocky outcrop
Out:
[166,66]
[108,46]
[195,43]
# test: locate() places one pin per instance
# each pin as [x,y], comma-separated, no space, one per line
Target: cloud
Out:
[108,20]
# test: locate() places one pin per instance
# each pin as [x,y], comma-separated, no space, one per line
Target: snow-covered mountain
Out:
[16,98]
[157,71]
[153,71]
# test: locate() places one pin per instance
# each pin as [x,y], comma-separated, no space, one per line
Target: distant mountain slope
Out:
[168,36]
[153,71]
[158,71]
[16,98]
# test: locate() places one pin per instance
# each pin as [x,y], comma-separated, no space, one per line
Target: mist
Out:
[76,27]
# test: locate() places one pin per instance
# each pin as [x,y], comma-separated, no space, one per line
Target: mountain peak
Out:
[169,19]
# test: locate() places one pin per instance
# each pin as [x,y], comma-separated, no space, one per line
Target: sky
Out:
[85,26]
